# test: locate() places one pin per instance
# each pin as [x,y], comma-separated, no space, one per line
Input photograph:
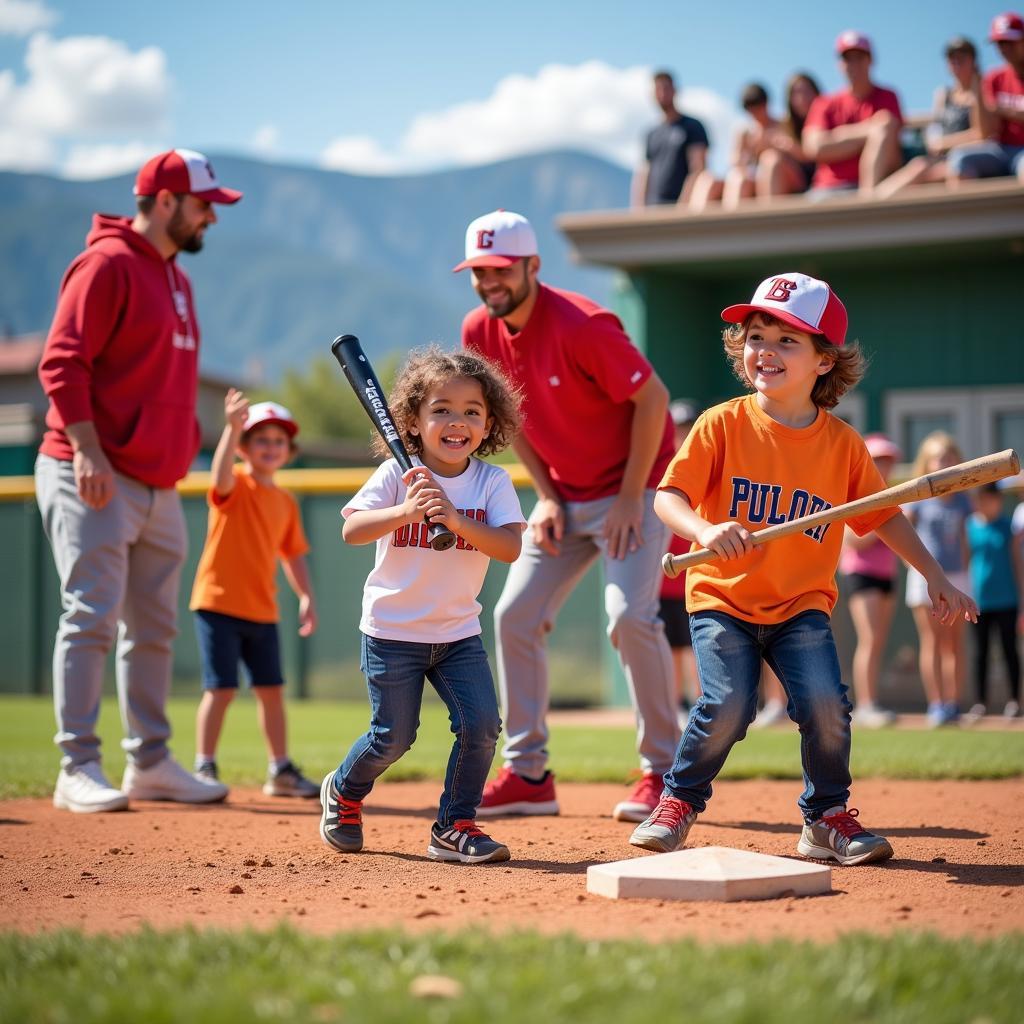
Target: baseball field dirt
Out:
[258,861]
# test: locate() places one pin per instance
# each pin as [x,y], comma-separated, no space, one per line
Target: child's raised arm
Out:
[948,603]
[236,408]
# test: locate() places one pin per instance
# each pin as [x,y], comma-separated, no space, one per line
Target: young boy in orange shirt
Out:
[252,523]
[766,458]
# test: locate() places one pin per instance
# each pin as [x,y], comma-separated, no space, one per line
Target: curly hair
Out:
[426,368]
[849,366]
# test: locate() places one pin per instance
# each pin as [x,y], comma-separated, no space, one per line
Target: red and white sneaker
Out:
[642,801]
[509,793]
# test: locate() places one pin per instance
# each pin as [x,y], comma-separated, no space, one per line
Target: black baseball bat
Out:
[357,368]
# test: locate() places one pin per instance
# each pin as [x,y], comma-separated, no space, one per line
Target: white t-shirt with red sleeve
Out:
[578,370]
[420,595]
[1003,87]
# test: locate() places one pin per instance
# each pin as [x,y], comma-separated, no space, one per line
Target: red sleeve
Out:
[603,351]
[90,301]
[819,114]
[892,104]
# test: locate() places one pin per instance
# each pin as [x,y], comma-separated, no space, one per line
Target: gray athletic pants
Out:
[119,571]
[536,588]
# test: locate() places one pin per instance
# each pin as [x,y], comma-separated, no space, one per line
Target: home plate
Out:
[708,873]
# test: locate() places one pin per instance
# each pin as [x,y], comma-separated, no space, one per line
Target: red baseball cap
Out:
[498,239]
[183,171]
[851,39]
[1006,28]
[802,302]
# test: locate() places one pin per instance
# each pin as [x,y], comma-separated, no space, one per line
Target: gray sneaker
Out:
[341,820]
[837,835]
[288,780]
[667,826]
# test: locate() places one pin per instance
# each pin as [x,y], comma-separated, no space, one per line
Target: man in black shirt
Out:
[676,151]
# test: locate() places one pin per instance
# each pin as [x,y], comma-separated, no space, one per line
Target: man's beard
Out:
[180,235]
[505,306]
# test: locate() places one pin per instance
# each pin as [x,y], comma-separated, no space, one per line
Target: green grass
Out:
[321,732]
[211,977]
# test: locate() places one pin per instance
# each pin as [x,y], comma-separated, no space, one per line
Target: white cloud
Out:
[87,87]
[106,159]
[23,17]
[360,154]
[591,106]
[25,151]
[265,139]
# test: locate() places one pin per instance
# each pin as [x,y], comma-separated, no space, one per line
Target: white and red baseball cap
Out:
[498,239]
[183,171]
[880,447]
[270,412]
[802,302]
[851,39]
[1006,28]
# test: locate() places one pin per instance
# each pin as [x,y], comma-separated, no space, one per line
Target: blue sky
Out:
[91,87]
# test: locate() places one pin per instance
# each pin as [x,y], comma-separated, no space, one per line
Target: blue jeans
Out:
[989,159]
[802,654]
[395,671]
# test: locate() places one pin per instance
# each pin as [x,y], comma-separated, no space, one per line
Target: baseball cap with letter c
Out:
[184,172]
[798,300]
[498,239]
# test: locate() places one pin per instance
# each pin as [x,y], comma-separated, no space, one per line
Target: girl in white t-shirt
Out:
[420,615]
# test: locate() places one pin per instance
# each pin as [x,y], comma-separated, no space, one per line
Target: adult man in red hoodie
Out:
[119,368]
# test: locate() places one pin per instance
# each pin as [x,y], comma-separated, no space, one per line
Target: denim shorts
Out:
[225,640]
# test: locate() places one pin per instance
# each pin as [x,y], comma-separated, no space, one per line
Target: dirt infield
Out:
[958,870]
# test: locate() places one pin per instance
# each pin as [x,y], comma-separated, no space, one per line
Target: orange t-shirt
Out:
[246,533]
[739,464]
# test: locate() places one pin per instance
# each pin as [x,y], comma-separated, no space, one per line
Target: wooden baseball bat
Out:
[943,481]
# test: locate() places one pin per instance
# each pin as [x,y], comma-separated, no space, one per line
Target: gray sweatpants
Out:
[537,587]
[119,571]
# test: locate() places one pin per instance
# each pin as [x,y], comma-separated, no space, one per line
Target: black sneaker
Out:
[341,823]
[288,780]
[463,841]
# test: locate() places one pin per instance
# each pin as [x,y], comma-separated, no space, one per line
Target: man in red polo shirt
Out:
[853,134]
[597,437]
[1001,112]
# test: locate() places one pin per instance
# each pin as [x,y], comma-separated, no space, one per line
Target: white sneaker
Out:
[772,713]
[167,780]
[871,716]
[975,715]
[84,789]
[1012,709]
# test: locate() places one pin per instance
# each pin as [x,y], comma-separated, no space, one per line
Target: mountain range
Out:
[309,254]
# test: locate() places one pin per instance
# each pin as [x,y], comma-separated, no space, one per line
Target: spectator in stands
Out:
[941,524]
[853,135]
[750,143]
[954,121]
[676,150]
[996,579]
[1000,112]
[784,167]
[869,566]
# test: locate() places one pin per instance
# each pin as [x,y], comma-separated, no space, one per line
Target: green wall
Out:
[924,323]
[324,665]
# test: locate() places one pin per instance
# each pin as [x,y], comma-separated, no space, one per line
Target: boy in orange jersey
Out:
[762,459]
[252,524]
